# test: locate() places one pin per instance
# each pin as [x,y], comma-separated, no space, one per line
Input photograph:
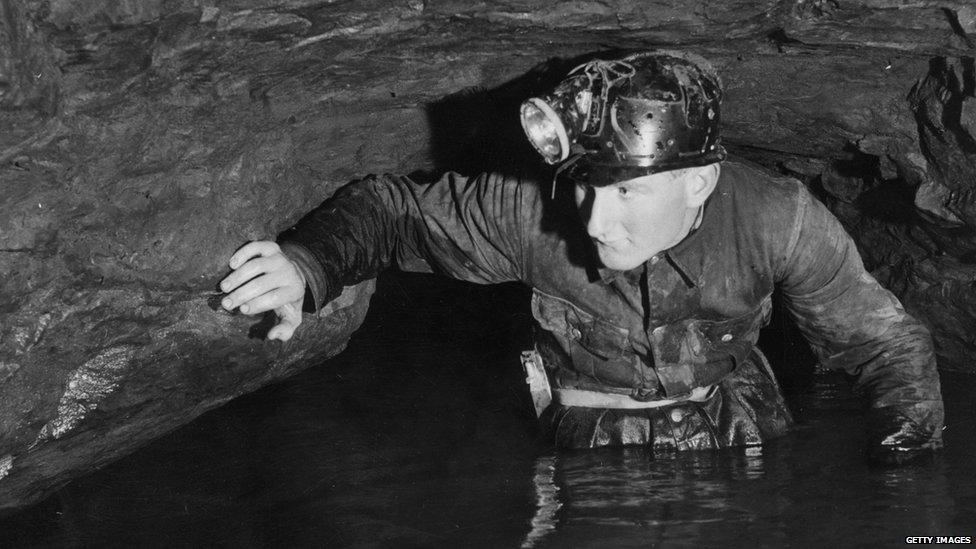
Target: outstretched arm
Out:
[466,228]
[856,325]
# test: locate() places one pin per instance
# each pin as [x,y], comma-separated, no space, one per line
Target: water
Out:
[420,435]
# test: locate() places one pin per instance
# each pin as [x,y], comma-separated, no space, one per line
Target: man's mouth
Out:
[613,245]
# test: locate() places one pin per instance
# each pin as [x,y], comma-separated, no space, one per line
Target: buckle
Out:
[641,394]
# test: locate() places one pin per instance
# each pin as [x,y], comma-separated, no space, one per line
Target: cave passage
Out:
[141,143]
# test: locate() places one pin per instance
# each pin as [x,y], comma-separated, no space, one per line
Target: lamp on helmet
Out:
[644,113]
[545,130]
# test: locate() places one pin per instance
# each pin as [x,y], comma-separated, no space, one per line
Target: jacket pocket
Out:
[693,353]
[597,349]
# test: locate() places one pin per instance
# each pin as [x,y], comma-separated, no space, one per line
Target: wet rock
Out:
[943,103]
[276,5]
[845,187]
[933,198]
[7,369]
[803,168]
[101,13]
[261,23]
[940,291]
[162,135]
[30,82]
[966,15]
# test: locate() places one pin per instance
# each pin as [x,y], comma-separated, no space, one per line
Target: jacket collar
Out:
[683,258]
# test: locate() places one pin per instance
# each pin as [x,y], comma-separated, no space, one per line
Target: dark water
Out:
[420,435]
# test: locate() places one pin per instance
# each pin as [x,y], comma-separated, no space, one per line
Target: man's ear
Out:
[700,184]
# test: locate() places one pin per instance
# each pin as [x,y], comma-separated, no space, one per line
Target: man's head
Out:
[639,137]
[633,220]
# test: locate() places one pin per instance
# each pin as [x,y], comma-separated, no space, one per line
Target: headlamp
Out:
[574,109]
[545,130]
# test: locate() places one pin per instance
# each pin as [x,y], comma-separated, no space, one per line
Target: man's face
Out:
[633,220]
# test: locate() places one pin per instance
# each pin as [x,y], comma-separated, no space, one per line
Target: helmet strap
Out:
[568,163]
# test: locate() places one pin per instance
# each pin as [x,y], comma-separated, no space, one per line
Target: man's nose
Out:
[602,215]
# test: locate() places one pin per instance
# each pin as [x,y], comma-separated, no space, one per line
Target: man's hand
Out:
[263,280]
[897,439]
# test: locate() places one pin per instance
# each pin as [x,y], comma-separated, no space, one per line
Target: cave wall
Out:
[142,142]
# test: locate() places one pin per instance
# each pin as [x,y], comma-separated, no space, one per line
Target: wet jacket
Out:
[684,319]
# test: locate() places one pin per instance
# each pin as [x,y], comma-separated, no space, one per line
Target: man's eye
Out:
[623,191]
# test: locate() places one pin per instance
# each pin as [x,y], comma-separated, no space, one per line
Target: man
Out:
[651,298]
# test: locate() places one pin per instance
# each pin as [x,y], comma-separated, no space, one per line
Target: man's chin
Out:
[617,262]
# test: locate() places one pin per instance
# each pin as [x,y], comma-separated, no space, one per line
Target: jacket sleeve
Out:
[466,228]
[856,325]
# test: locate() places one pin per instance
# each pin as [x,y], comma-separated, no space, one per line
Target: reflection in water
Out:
[546,501]
[670,498]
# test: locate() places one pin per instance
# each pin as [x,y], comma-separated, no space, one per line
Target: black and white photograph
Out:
[514,274]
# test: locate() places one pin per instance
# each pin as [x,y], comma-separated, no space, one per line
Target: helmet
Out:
[616,119]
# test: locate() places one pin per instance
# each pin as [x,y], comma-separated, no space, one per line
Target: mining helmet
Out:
[615,119]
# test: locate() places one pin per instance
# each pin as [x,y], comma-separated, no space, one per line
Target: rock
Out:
[966,15]
[276,5]
[939,290]
[804,167]
[932,198]
[7,369]
[28,76]
[262,23]
[66,14]
[941,103]
[845,187]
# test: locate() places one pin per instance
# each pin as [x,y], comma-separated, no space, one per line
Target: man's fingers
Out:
[246,296]
[267,301]
[290,318]
[282,332]
[245,272]
[262,248]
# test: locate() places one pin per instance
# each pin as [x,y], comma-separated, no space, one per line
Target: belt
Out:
[594,399]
